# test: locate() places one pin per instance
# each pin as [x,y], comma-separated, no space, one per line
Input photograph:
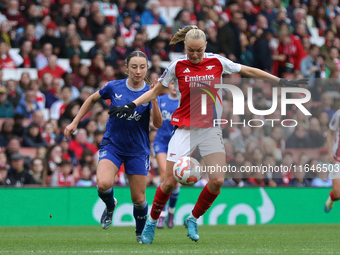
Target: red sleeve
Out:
[76,149]
[41,73]
[92,147]
[301,54]
[61,71]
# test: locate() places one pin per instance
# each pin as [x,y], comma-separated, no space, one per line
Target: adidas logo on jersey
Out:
[187,70]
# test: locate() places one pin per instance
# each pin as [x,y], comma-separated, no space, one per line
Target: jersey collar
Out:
[132,89]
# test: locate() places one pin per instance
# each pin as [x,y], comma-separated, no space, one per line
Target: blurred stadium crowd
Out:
[55,53]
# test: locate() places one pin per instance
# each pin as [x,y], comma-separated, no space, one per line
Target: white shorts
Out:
[185,141]
[335,173]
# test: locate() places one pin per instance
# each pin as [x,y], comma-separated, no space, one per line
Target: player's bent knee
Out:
[168,186]
[216,182]
[103,185]
[138,200]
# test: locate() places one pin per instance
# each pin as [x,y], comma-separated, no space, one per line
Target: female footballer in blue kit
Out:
[124,141]
[168,104]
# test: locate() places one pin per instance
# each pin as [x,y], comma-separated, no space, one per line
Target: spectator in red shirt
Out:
[52,68]
[97,65]
[14,16]
[62,177]
[109,74]
[257,179]
[25,53]
[291,47]
[45,7]
[5,60]
[58,107]
[80,143]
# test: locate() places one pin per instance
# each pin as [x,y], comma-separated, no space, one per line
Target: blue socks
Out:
[140,213]
[107,197]
[173,198]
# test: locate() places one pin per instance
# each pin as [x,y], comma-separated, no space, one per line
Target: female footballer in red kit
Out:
[197,69]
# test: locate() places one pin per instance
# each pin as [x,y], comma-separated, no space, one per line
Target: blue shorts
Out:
[159,147]
[139,165]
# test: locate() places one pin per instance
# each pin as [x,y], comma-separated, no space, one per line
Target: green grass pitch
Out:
[259,239]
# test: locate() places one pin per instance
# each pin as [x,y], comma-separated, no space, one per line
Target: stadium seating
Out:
[174,55]
[315,38]
[15,74]
[87,45]
[28,151]
[152,30]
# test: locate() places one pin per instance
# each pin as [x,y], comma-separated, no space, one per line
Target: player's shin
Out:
[331,195]
[107,197]
[204,202]
[173,199]
[158,204]
[140,213]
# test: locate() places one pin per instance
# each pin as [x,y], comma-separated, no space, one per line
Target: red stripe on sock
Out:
[159,202]
[204,202]
[332,196]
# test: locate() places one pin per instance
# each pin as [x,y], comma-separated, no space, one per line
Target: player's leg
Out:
[161,160]
[160,150]
[106,172]
[172,205]
[140,206]
[136,169]
[334,195]
[161,198]
[212,150]
[179,146]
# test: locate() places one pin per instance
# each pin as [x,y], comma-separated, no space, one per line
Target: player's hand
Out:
[70,129]
[123,111]
[151,87]
[292,83]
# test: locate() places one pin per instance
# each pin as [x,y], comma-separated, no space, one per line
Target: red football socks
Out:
[159,202]
[204,201]
[332,196]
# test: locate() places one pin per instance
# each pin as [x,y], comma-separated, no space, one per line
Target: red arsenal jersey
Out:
[199,101]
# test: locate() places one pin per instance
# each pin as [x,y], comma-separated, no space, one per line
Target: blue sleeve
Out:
[20,110]
[162,21]
[107,90]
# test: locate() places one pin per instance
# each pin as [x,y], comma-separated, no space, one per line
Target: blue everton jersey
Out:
[167,106]
[128,137]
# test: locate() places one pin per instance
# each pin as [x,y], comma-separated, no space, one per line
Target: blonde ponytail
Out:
[189,32]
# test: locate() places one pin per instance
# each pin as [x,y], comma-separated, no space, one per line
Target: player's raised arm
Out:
[87,105]
[150,95]
[156,114]
[259,74]
[124,111]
